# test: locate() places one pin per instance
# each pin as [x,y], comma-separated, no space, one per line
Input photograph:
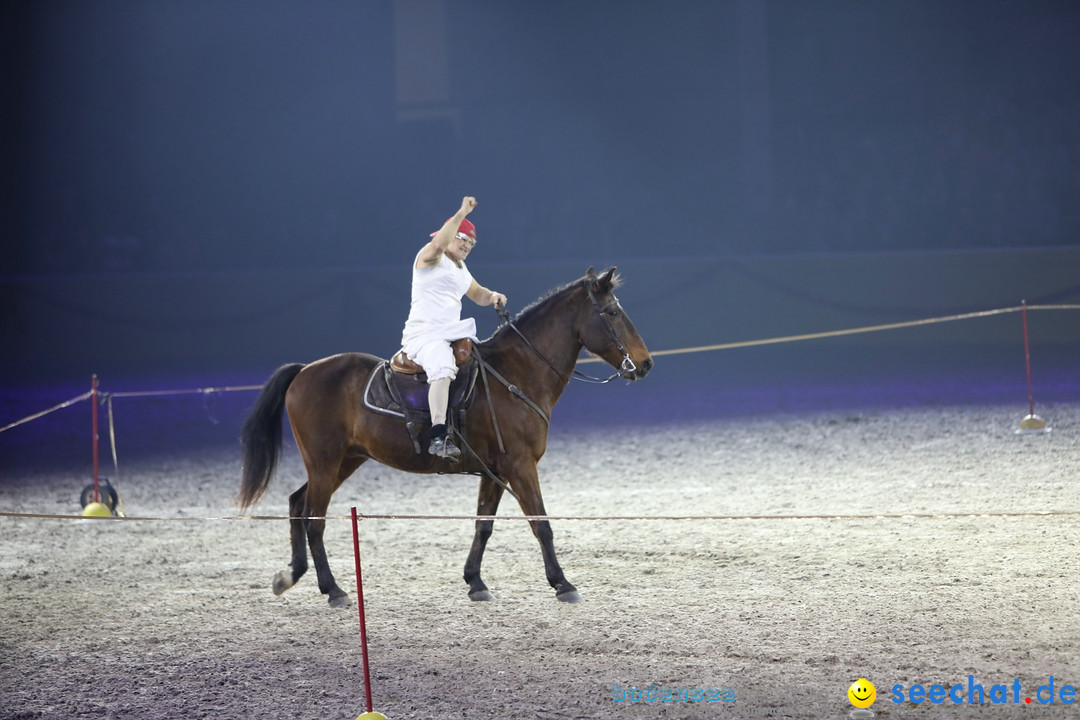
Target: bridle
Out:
[627,365]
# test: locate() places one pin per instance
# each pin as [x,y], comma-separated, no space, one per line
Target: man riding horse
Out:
[524,367]
[439,280]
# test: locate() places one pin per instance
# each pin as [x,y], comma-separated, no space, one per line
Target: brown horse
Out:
[528,363]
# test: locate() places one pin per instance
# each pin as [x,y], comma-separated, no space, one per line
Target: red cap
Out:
[466,227]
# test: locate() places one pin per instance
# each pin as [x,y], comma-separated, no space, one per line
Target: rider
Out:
[439,280]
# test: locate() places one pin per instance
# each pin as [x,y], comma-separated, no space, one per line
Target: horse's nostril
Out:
[646,367]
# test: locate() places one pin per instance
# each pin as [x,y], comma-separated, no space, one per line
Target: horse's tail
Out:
[262,434]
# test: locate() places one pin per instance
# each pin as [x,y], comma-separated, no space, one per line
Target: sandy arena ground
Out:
[174,617]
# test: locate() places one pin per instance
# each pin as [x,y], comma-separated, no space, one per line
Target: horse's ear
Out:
[608,279]
[591,272]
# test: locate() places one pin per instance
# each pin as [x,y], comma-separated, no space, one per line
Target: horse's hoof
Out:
[282,581]
[570,596]
[340,602]
[481,596]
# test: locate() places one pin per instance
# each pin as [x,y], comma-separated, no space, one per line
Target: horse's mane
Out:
[549,297]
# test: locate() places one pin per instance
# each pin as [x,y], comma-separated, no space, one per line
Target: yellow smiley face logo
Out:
[862,693]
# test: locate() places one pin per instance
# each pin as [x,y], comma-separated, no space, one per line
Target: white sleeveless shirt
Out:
[435,311]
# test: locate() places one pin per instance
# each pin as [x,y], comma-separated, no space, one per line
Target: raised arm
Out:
[430,253]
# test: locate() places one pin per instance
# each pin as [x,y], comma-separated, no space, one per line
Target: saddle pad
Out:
[409,394]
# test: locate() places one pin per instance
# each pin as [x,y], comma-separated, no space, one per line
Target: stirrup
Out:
[444,448]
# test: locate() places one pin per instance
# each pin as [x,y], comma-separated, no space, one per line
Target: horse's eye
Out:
[613,313]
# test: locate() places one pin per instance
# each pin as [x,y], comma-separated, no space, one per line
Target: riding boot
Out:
[438,399]
[443,446]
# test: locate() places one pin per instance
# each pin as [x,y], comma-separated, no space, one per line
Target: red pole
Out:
[94,432]
[360,605]
[1027,357]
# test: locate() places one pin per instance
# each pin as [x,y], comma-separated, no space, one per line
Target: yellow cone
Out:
[96,509]
[1032,424]
[371,716]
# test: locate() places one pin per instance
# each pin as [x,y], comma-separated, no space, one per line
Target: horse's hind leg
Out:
[487,504]
[327,584]
[286,578]
[318,501]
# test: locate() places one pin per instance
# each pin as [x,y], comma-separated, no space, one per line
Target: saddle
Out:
[401,363]
[398,387]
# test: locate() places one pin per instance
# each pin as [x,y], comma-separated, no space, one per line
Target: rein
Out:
[627,365]
[514,390]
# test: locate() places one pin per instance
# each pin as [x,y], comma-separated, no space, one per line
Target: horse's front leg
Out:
[564,589]
[487,504]
[527,487]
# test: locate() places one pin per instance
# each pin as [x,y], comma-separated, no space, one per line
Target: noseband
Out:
[627,365]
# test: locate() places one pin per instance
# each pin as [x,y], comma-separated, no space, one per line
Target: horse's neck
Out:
[554,340]
[553,335]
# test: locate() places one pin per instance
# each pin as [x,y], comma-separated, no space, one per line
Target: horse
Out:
[532,358]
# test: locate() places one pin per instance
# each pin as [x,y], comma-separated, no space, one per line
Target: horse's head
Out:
[608,332]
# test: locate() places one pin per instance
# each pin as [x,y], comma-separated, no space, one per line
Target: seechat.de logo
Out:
[862,694]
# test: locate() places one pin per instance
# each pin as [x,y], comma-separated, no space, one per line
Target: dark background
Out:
[227,185]
[199,135]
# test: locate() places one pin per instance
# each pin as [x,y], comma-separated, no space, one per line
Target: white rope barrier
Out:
[43,413]
[675,351]
[191,391]
[701,348]
[850,331]
[562,518]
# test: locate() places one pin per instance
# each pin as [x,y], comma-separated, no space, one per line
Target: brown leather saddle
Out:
[398,387]
[401,363]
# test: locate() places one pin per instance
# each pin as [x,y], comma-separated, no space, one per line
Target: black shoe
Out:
[444,447]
